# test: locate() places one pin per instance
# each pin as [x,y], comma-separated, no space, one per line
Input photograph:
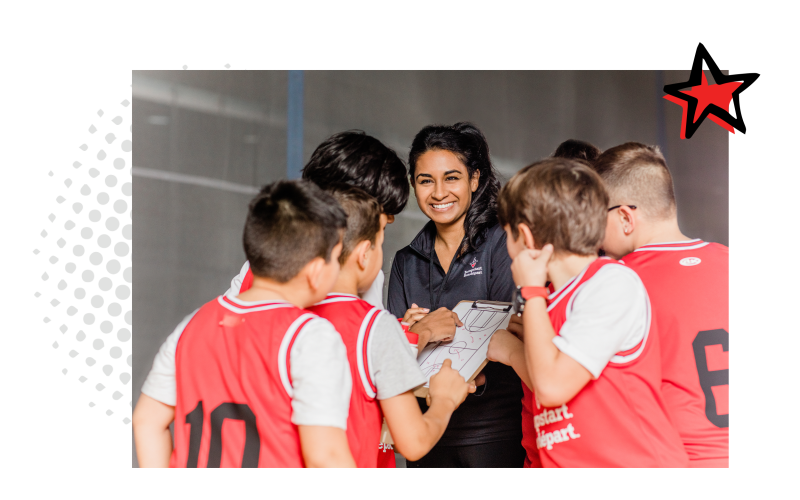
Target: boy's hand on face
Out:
[439,325]
[448,386]
[529,267]
[502,345]
[515,326]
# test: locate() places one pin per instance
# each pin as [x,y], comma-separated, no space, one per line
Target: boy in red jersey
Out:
[687,281]
[590,358]
[259,381]
[383,367]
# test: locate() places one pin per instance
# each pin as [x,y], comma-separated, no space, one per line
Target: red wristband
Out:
[529,292]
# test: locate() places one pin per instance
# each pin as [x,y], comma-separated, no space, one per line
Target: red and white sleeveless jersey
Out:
[688,287]
[234,393]
[354,318]
[616,420]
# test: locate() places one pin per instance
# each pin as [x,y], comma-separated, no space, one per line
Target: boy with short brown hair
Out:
[383,368]
[588,349]
[687,280]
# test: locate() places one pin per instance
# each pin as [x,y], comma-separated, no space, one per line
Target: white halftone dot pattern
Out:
[120,206]
[95,258]
[104,241]
[105,284]
[114,309]
[87,276]
[115,352]
[83,249]
[106,326]
[103,198]
[97,301]
[123,335]
[121,249]
[111,223]
[122,292]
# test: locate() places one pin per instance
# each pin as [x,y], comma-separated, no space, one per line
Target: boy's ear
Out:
[474,182]
[527,236]
[362,253]
[313,272]
[627,219]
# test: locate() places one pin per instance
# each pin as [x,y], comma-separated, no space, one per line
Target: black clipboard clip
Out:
[491,305]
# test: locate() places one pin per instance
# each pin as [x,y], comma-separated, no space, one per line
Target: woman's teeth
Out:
[443,206]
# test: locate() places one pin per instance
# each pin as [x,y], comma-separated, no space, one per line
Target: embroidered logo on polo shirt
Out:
[690,261]
[474,270]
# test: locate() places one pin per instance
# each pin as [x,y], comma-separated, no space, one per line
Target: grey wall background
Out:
[205,140]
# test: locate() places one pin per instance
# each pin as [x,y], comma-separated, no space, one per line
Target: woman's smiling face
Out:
[442,186]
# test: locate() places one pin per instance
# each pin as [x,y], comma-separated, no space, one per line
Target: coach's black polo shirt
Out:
[483,274]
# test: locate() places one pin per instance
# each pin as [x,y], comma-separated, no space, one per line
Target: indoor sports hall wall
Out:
[206,140]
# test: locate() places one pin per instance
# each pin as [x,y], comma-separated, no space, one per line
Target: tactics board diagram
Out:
[467,350]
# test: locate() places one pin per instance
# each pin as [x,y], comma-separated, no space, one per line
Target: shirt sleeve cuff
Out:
[585,361]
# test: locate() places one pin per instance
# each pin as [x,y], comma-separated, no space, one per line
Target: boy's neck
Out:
[563,268]
[264,289]
[347,282]
[660,231]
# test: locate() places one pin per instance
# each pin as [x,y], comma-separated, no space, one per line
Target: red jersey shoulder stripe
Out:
[363,351]
[673,246]
[338,297]
[285,351]
[241,307]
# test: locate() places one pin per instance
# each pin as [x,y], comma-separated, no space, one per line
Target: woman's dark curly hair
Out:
[469,145]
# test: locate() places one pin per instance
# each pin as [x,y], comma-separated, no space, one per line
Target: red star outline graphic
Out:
[704,100]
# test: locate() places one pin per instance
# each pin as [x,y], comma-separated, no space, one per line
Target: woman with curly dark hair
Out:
[460,255]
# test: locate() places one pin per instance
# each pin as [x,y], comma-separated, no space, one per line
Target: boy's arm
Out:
[415,433]
[151,421]
[506,348]
[325,447]
[556,377]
